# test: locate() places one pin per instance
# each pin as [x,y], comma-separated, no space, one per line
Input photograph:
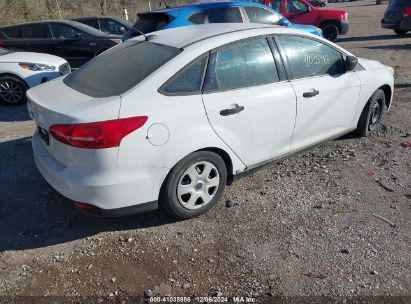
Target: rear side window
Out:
[260,15]
[120,68]
[152,22]
[12,31]
[310,58]
[245,64]
[219,15]
[37,31]
[188,80]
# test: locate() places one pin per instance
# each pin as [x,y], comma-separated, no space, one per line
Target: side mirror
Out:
[351,62]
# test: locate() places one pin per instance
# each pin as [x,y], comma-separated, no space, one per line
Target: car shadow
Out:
[396,47]
[33,215]
[14,113]
[370,38]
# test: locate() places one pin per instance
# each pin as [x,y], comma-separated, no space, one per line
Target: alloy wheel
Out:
[375,114]
[11,91]
[198,185]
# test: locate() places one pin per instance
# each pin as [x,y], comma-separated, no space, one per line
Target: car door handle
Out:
[234,109]
[311,93]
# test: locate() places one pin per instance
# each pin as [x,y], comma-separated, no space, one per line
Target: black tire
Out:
[372,114]
[378,2]
[12,90]
[401,32]
[169,199]
[330,31]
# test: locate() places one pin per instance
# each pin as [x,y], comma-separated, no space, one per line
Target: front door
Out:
[327,95]
[250,108]
[71,44]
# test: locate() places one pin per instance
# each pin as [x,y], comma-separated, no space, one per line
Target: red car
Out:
[333,22]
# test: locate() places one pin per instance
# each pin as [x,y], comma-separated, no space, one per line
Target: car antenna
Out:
[146,37]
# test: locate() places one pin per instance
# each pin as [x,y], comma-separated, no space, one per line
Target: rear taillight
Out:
[97,135]
[407,11]
[2,42]
[84,206]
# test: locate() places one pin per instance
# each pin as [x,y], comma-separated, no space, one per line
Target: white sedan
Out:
[171,118]
[20,71]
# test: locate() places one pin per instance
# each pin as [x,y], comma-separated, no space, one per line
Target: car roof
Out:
[206,5]
[71,22]
[182,37]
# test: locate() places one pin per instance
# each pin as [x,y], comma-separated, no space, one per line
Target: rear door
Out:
[327,95]
[248,102]
[38,38]
[14,36]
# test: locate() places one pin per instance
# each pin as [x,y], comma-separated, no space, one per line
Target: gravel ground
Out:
[331,224]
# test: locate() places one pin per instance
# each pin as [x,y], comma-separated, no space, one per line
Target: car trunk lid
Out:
[56,103]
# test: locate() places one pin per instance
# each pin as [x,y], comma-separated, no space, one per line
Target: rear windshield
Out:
[120,68]
[148,23]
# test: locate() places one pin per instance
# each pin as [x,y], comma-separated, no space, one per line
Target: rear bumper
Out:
[404,24]
[345,26]
[113,193]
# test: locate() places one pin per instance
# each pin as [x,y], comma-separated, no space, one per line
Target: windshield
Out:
[120,68]
[4,51]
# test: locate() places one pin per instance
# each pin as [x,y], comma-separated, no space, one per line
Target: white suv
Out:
[173,117]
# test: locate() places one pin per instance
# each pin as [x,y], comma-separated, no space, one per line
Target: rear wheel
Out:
[194,185]
[330,31]
[372,114]
[400,32]
[12,90]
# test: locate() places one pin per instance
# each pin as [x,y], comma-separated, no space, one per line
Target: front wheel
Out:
[372,114]
[194,185]
[12,90]
[400,32]
[330,32]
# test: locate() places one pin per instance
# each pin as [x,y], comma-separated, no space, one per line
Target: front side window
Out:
[296,7]
[277,5]
[218,15]
[37,31]
[188,80]
[109,26]
[90,22]
[260,15]
[62,31]
[310,58]
[245,64]
[120,68]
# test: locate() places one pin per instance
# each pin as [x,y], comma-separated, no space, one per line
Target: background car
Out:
[20,71]
[320,3]
[214,12]
[398,16]
[109,25]
[333,22]
[181,113]
[73,41]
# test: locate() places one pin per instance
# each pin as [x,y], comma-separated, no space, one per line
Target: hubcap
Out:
[198,185]
[375,115]
[10,91]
